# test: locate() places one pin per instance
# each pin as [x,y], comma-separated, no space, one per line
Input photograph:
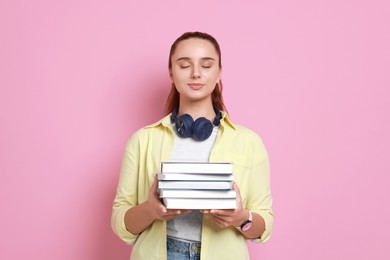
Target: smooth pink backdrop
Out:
[77,78]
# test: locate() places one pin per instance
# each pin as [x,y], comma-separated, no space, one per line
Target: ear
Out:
[170,74]
[219,76]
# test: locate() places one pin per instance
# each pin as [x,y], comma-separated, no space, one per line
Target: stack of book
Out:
[196,185]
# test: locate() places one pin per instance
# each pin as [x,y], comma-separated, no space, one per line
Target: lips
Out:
[195,86]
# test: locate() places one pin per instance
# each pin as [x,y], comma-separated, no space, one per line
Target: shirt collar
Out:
[166,122]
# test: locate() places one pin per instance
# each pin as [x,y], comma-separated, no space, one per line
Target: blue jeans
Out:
[180,250]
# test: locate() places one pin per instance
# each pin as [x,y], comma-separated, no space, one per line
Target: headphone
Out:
[200,129]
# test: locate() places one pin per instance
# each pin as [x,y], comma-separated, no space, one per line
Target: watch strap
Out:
[249,220]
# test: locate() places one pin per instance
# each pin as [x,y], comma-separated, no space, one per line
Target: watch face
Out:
[247,226]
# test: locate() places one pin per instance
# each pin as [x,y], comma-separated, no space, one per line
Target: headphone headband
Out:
[216,122]
[200,129]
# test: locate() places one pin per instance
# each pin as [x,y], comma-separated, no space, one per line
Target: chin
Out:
[197,96]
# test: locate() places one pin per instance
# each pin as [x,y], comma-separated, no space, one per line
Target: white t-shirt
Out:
[188,227]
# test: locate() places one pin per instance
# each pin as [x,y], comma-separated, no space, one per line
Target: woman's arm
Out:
[138,218]
[229,217]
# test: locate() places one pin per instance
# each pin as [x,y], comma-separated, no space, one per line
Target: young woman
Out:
[138,215]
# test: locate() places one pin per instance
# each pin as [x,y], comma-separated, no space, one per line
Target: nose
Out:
[195,73]
[195,76]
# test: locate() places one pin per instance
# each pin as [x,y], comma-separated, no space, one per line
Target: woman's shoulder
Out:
[244,140]
[238,129]
[244,131]
[151,129]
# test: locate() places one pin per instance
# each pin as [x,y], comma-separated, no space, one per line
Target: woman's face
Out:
[195,70]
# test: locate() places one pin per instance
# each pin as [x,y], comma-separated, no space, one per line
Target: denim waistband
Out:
[183,247]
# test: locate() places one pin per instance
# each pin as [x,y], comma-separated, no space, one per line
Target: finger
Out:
[218,219]
[170,214]
[221,212]
[237,189]
[238,196]
[178,211]
[169,218]
[173,215]
[155,182]
[221,223]
[162,208]
[153,189]
[224,219]
[185,211]
[173,211]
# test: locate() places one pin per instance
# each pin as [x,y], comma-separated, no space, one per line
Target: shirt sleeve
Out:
[126,195]
[259,199]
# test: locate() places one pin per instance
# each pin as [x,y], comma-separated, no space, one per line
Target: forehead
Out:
[195,48]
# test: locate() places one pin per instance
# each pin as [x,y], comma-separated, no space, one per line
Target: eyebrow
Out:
[188,59]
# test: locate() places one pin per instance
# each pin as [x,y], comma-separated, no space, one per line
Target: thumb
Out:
[154,186]
[235,187]
[155,181]
[238,194]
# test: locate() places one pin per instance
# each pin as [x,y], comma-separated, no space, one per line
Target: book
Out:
[197,185]
[191,203]
[212,194]
[197,167]
[194,177]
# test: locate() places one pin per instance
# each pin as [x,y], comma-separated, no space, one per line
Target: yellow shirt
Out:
[153,144]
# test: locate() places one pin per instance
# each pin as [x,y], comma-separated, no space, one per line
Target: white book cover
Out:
[212,194]
[197,167]
[191,203]
[194,177]
[198,185]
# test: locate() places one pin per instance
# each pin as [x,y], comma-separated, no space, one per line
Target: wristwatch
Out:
[247,223]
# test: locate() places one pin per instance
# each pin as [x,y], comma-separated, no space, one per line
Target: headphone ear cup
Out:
[184,125]
[202,129]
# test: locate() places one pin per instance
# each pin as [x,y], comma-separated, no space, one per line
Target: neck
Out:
[197,109]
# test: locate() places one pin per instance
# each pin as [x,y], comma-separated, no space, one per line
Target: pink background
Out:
[77,78]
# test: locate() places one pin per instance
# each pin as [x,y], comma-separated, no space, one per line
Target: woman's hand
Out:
[157,208]
[229,217]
